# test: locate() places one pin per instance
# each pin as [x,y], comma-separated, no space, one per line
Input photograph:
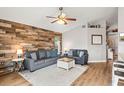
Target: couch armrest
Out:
[30,60]
[29,63]
[86,57]
[82,60]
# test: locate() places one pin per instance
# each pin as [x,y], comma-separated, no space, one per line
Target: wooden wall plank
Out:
[5,25]
[15,35]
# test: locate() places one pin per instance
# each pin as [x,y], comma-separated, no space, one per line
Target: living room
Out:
[61,46]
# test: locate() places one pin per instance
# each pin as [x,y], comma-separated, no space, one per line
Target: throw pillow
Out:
[70,53]
[75,53]
[78,53]
[27,54]
[54,53]
[81,54]
[42,54]
[48,53]
[33,56]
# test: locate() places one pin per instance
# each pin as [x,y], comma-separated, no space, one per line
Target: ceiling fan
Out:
[61,18]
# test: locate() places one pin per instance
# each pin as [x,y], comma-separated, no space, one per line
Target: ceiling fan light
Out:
[63,15]
[60,22]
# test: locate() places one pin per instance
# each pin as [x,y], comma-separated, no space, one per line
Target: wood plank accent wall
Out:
[16,35]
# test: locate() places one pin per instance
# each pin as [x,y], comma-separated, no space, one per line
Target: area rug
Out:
[53,76]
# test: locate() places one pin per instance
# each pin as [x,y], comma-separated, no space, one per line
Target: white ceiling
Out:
[36,16]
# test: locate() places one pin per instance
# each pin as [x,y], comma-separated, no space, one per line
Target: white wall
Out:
[80,38]
[75,38]
[121,29]
[97,53]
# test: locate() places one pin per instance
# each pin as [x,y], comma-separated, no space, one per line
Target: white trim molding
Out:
[96,61]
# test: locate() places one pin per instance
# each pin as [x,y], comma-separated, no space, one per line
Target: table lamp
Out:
[66,51]
[19,53]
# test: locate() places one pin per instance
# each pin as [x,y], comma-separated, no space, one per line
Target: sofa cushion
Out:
[48,53]
[76,53]
[81,53]
[77,58]
[50,59]
[54,53]
[41,54]
[70,53]
[27,54]
[39,62]
[33,56]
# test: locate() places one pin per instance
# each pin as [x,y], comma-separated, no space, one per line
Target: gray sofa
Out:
[39,59]
[80,56]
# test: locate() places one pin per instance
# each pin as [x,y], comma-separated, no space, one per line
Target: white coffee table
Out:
[66,63]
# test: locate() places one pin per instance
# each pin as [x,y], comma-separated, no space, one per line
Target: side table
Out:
[18,64]
[66,63]
[6,66]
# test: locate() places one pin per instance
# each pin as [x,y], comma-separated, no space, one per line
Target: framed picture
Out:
[121,36]
[96,39]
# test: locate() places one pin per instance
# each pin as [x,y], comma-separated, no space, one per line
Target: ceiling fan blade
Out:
[71,19]
[50,17]
[65,23]
[54,21]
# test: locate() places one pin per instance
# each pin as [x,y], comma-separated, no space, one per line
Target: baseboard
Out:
[96,61]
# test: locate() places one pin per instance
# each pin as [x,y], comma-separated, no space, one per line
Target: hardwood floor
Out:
[98,74]
[13,79]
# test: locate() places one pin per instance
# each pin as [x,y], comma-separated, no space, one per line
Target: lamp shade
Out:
[65,49]
[19,51]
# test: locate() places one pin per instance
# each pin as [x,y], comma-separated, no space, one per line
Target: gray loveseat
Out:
[80,56]
[39,59]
